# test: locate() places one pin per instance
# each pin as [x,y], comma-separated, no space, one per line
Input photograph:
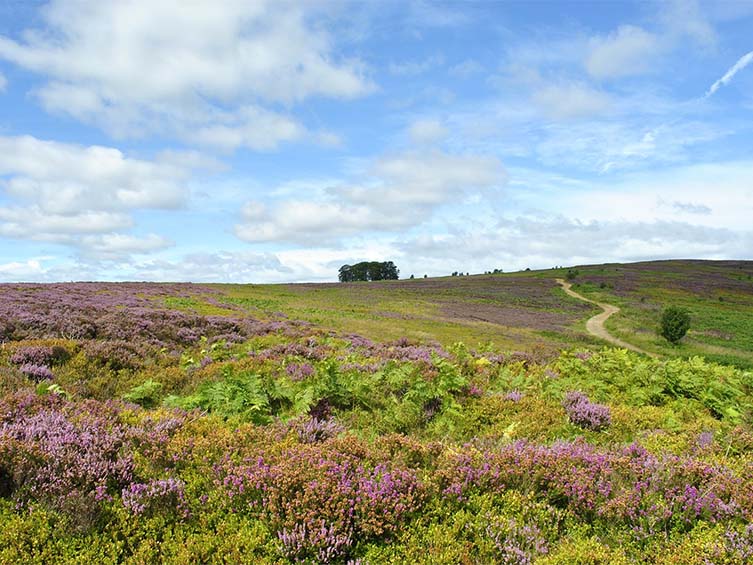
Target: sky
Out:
[274,141]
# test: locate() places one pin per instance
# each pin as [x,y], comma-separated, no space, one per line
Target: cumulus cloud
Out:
[400,191]
[34,223]
[120,66]
[29,270]
[64,178]
[569,100]
[114,246]
[741,63]
[85,196]
[542,242]
[251,127]
[427,131]
[217,267]
[626,51]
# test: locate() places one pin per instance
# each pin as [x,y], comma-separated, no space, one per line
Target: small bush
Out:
[146,394]
[584,413]
[675,322]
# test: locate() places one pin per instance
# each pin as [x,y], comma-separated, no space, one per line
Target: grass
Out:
[513,311]
[528,310]
[718,295]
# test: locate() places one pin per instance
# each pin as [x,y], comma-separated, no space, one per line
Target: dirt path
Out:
[595,324]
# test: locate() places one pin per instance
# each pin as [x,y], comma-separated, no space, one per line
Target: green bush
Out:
[675,322]
[146,394]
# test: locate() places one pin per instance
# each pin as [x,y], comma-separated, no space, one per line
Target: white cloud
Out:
[569,100]
[643,197]
[328,139]
[741,63]
[467,68]
[115,246]
[548,240]
[85,197]
[171,66]
[606,146]
[427,131]
[627,51]
[398,192]
[30,269]
[214,267]
[36,224]
[65,179]
[687,18]
[251,127]
[414,68]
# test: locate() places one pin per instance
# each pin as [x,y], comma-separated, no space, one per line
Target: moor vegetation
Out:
[165,423]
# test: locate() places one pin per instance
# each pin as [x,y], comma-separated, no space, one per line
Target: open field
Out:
[718,294]
[511,311]
[440,421]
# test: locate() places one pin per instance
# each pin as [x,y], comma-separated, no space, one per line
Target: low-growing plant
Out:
[147,394]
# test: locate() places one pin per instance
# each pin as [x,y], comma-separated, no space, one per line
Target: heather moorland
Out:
[453,420]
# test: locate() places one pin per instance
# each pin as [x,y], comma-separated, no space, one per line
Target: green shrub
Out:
[146,394]
[675,322]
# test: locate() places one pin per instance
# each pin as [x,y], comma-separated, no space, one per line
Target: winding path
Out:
[595,324]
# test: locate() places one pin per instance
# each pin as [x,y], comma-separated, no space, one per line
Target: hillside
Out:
[528,309]
[439,421]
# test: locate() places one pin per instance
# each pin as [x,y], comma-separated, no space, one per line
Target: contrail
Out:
[742,62]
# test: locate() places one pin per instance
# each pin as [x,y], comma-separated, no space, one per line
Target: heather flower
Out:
[299,371]
[704,440]
[37,355]
[315,430]
[513,395]
[737,545]
[321,540]
[187,335]
[517,545]
[168,494]
[584,413]
[36,373]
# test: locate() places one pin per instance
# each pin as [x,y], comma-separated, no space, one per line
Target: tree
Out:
[675,322]
[369,271]
[346,273]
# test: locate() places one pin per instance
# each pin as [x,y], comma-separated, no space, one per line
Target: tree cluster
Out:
[369,271]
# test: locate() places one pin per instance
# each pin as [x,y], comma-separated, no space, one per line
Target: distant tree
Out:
[369,271]
[675,322]
[412,277]
[571,274]
[346,273]
[426,276]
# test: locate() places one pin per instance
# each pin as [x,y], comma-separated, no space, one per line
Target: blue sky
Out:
[274,141]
